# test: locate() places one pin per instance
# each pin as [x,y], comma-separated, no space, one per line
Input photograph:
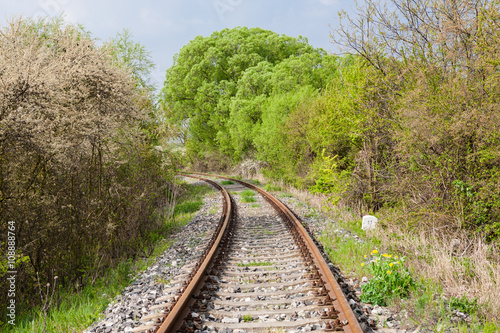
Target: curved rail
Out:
[347,318]
[173,320]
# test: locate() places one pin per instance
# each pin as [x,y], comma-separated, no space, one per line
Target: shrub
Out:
[77,173]
[390,279]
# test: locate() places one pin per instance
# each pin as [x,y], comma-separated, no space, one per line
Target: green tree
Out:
[200,86]
[134,57]
[430,99]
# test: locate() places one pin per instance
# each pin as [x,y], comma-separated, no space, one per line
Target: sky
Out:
[163,27]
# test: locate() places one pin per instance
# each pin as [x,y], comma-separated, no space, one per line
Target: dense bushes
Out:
[77,175]
[432,91]
[408,121]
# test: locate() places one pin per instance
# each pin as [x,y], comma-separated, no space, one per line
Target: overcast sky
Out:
[164,26]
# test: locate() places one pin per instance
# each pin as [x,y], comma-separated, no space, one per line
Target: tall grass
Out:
[450,267]
[78,310]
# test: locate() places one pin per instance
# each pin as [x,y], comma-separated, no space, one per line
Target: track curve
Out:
[293,272]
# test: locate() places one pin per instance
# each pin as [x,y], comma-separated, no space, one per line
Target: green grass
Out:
[255,264]
[79,310]
[247,318]
[270,187]
[427,305]
[188,207]
[247,193]
[248,196]
[227,182]
[346,252]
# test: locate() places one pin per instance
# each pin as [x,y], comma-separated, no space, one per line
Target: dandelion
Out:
[362,264]
[391,264]
[374,252]
[397,263]
[389,272]
[385,255]
[365,256]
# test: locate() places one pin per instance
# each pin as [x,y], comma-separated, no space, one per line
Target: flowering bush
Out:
[390,279]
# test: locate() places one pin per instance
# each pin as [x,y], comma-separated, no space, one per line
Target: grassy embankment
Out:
[442,278]
[78,310]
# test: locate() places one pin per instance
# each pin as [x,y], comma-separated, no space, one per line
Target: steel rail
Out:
[346,315]
[174,319]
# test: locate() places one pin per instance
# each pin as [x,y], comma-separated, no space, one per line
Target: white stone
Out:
[369,222]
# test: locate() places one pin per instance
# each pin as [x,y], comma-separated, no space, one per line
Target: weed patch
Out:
[76,311]
[248,196]
[255,264]
[271,187]
[390,279]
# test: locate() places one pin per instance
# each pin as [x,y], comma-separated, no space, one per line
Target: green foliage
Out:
[247,193]
[248,196]
[271,187]
[463,304]
[227,182]
[133,57]
[247,318]
[77,173]
[272,140]
[256,264]
[329,179]
[219,84]
[391,279]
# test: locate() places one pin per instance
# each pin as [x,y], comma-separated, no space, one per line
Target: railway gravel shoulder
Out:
[382,319]
[159,283]
[165,275]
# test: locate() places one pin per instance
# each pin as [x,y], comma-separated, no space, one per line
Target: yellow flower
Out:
[391,264]
[397,263]
[362,264]
[396,257]
[375,260]
[365,256]
[389,272]
[385,255]
[374,252]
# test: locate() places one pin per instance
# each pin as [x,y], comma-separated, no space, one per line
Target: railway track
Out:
[259,272]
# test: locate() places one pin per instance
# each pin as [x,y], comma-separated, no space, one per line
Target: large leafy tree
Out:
[218,83]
